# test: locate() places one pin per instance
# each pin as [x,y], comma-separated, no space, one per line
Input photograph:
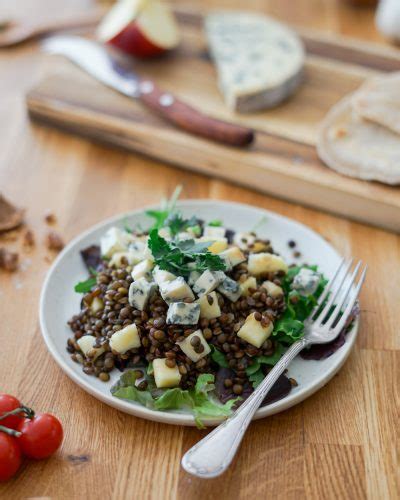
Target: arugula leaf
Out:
[182,257]
[85,286]
[218,357]
[215,223]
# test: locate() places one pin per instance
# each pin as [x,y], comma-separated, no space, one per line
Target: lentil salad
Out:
[203,342]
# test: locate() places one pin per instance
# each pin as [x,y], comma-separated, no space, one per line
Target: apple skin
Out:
[132,41]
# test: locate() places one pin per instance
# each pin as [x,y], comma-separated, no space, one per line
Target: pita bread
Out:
[357,147]
[378,100]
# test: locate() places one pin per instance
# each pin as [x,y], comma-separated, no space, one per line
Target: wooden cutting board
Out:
[282,161]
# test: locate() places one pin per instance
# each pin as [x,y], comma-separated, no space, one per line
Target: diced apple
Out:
[251,282]
[142,28]
[260,264]
[190,347]
[209,307]
[254,332]
[272,289]
[164,375]
[96,305]
[86,344]
[214,232]
[232,257]
[125,339]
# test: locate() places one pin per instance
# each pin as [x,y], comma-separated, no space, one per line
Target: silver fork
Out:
[211,456]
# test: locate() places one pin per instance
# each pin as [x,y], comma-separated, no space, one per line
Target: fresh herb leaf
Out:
[85,286]
[218,357]
[182,257]
[215,223]
[167,208]
[177,224]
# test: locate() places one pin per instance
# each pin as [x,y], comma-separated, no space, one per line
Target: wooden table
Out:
[340,443]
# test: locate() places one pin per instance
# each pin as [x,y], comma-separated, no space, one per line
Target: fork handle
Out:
[211,456]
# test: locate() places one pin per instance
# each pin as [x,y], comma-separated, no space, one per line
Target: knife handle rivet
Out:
[166,100]
[146,87]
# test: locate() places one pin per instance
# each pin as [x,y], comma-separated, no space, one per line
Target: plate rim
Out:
[167,416]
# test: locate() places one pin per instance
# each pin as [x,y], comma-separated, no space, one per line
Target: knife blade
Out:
[116,71]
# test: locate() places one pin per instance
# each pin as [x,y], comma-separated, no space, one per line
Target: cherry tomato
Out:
[10,456]
[41,436]
[9,403]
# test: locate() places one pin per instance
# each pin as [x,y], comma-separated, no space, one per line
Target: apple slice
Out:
[143,28]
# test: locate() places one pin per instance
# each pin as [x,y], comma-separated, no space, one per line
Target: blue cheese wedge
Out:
[195,346]
[143,270]
[140,293]
[176,290]
[254,332]
[306,281]
[230,288]
[165,376]
[208,281]
[182,313]
[209,306]
[259,60]
[125,339]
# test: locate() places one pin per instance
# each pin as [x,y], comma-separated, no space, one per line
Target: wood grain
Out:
[282,161]
[342,443]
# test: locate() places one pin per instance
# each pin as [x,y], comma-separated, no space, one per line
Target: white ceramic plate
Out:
[59,301]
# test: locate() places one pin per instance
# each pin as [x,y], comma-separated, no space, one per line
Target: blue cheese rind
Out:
[259,60]
[182,313]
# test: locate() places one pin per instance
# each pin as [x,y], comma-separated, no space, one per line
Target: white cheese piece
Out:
[165,376]
[214,232]
[230,288]
[86,344]
[244,240]
[232,257]
[140,292]
[272,289]
[96,305]
[306,281]
[193,277]
[209,307]
[125,339]
[208,281]
[182,313]
[259,60]
[251,282]
[190,350]
[253,332]
[114,240]
[263,263]
[143,270]
[176,290]
[162,276]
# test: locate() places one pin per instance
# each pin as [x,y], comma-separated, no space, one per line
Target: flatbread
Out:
[378,100]
[357,147]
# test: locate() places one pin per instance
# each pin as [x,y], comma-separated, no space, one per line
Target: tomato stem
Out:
[26,412]
[10,432]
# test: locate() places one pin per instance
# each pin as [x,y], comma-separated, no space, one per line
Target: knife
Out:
[116,71]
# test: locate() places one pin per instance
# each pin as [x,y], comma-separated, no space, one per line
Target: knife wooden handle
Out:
[190,119]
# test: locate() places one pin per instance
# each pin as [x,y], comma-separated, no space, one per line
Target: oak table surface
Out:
[341,443]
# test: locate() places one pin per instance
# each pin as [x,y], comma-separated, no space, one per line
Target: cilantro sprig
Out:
[182,257]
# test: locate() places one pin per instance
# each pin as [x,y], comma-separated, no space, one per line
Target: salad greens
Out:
[184,256]
[85,286]
[198,399]
[167,208]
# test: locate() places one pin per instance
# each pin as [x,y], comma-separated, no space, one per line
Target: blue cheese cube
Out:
[260,264]
[254,332]
[208,281]
[165,376]
[195,346]
[209,307]
[143,270]
[232,257]
[306,281]
[125,339]
[114,240]
[176,290]
[214,232]
[182,313]
[140,292]
[230,288]
[161,276]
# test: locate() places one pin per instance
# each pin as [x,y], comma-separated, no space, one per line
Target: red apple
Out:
[142,28]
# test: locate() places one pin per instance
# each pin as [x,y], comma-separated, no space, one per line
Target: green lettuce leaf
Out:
[218,357]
